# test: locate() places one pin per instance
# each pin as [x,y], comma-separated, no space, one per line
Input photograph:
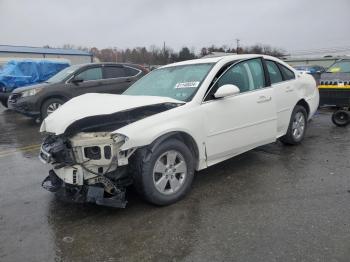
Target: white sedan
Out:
[177,119]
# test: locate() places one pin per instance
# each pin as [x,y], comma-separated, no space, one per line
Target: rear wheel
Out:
[165,176]
[341,118]
[297,127]
[49,106]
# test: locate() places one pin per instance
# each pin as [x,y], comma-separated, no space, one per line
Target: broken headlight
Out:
[119,138]
[56,150]
[92,152]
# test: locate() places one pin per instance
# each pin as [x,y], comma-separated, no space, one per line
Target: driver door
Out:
[91,79]
[239,123]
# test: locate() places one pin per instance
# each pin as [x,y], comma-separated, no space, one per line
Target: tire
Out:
[4,103]
[297,127]
[169,185]
[341,118]
[49,106]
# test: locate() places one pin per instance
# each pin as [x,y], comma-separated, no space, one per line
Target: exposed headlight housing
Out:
[31,92]
[119,138]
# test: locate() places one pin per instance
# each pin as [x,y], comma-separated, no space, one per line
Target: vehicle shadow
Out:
[145,232]
[142,230]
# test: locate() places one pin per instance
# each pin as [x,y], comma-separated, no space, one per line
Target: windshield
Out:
[178,82]
[340,67]
[63,74]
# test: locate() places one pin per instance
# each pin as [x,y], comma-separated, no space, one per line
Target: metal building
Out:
[73,56]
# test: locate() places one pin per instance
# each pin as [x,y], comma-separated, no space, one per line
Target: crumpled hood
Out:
[93,104]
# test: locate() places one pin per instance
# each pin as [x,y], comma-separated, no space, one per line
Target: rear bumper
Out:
[313,103]
[82,194]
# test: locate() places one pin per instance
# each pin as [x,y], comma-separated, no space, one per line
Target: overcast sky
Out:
[288,24]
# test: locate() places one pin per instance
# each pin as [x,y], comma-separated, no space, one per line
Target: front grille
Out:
[14,97]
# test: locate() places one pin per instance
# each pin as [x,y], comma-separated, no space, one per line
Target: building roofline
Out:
[42,50]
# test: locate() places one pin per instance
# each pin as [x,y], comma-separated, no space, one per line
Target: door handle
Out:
[128,80]
[263,99]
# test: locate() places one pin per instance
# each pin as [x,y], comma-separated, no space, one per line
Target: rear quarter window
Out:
[131,71]
[286,72]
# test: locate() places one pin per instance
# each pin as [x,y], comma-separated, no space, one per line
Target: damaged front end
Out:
[88,167]
[84,148]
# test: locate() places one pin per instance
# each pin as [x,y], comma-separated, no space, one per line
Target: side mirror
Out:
[226,90]
[77,80]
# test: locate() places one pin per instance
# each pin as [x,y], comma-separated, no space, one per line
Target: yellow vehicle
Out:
[334,91]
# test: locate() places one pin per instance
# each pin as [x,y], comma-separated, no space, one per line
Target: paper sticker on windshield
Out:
[187,84]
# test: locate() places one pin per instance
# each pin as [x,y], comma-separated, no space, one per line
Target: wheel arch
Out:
[304,104]
[186,138]
[56,96]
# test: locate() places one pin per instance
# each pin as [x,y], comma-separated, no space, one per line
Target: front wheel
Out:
[49,106]
[165,176]
[297,127]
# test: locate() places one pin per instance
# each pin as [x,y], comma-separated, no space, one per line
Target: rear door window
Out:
[274,72]
[114,72]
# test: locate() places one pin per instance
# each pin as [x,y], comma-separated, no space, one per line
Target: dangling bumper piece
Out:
[85,193]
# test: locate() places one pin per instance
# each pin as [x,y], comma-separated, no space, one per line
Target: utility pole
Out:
[115,54]
[165,58]
[237,41]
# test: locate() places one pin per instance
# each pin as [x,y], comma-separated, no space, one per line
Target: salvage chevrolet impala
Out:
[177,119]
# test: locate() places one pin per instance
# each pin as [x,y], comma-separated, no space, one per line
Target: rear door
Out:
[284,86]
[117,78]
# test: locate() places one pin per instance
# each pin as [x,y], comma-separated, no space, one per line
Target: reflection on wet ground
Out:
[274,203]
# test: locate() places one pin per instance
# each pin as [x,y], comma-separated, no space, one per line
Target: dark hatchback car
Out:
[38,101]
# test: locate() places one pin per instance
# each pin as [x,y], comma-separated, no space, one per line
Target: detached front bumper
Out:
[82,194]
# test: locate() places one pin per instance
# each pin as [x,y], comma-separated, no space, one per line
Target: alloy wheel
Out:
[169,172]
[298,126]
[52,107]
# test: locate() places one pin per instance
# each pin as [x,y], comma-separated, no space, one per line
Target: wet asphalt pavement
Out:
[275,203]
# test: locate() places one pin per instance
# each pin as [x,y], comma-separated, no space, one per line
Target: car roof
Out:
[105,64]
[215,59]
